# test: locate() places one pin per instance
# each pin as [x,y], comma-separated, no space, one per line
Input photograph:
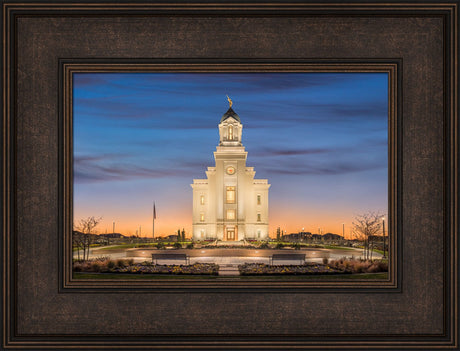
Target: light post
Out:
[384,247]
[343,230]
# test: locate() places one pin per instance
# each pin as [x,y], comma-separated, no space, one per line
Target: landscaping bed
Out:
[129,267]
[264,269]
[341,266]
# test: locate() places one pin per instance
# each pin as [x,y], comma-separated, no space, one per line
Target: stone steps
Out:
[228,270]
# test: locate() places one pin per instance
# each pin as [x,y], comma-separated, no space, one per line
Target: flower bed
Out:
[197,268]
[307,269]
[342,266]
[128,267]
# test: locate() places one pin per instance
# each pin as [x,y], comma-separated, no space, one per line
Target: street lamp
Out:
[384,248]
[343,230]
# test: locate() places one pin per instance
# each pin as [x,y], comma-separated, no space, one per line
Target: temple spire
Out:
[230,102]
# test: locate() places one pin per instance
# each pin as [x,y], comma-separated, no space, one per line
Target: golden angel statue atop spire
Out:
[229,101]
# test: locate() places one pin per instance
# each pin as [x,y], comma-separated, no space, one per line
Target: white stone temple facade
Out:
[230,204]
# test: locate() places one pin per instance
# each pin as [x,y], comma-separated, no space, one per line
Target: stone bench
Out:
[170,256]
[287,257]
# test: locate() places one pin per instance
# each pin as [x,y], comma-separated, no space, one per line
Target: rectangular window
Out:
[202,199]
[202,234]
[230,214]
[258,233]
[258,217]
[259,199]
[230,133]
[230,195]
[201,217]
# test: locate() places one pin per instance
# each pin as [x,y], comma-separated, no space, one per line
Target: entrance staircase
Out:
[230,243]
[228,270]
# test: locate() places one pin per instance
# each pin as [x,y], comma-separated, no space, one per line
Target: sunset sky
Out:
[321,140]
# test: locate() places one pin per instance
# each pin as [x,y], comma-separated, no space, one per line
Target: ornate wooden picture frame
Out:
[44,43]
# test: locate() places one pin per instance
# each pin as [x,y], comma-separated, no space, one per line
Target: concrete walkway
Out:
[230,256]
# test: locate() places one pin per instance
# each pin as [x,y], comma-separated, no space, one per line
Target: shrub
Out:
[130,262]
[77,267]
[296,246]
[279,246]
[325,260]
[121,263]
[110,264]
[373,268]
[264,245]
[95,267]
[190,246]
[160,245]
[359,268]
[177,245]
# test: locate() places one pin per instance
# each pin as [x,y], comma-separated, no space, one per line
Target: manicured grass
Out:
[380,251]
[102,276]
[337,247]
[119,276]
[127,246]
[139,245]
[365,276]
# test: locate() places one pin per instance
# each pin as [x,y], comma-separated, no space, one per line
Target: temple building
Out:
[230,204]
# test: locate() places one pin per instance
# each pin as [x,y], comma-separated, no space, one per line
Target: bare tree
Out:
[85,238]
[77,242]
[366,226]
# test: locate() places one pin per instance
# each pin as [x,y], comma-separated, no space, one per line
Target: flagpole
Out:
[153,221]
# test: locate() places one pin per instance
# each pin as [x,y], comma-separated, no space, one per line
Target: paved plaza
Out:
[230,256]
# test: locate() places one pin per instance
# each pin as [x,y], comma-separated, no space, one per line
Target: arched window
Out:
[230,132]
[230,194]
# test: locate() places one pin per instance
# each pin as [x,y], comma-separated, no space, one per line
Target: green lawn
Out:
[77,275]
[139,245]
[337,247]
[366,276]
[127,246]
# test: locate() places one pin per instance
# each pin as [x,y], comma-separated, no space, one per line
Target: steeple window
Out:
[230,132]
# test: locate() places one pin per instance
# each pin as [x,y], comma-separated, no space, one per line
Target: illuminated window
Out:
[202,234]
[230,214]
[202,199]
[258,233]
[201,217]
[230,194]
[258,217]
[259,199]
[230,133]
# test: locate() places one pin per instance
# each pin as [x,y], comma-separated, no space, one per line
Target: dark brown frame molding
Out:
[45,42]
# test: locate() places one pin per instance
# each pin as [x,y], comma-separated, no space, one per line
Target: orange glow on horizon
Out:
[168,224]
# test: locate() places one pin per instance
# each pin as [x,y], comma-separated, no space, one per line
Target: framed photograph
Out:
[133,216]
[223,225]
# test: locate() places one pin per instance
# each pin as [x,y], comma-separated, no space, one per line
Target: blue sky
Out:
[321,139]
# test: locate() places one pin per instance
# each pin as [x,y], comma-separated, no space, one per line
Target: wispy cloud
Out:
[108,168]
[287,152]
[330,169]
